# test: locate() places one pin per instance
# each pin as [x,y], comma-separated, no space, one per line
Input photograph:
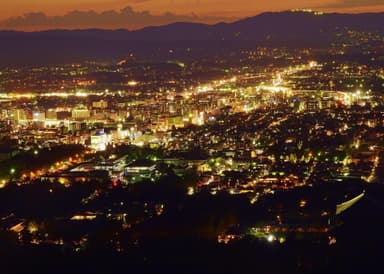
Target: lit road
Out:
[344,206]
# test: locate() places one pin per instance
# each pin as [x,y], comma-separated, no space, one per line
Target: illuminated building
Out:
[100,104]
[38,116]
[140,170]
[99,140]
[80,113]
[18,114]
[51,114]
[312,105]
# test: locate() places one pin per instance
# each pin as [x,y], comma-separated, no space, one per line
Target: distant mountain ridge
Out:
[281,28]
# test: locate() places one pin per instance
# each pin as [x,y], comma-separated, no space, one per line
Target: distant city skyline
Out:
[134,14]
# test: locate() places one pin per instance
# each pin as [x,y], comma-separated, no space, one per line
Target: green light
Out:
[12,171]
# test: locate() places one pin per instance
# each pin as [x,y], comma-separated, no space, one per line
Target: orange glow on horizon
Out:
[208,11]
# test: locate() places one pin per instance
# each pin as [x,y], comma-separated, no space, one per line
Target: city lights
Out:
[244,146]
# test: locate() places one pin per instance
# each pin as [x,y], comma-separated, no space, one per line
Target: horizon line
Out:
[234,20]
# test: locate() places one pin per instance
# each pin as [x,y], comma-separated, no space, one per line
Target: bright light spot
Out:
[302,203]
[102,147]
[81,94]
[271,238]
[191,191]
[132,83]
[32,228]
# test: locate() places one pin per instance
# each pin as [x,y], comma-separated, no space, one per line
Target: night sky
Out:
[133,14]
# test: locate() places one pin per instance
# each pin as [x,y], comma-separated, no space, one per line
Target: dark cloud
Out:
[354,3]
[125,18]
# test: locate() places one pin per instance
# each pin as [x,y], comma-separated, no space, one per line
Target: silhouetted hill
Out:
[296,29]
